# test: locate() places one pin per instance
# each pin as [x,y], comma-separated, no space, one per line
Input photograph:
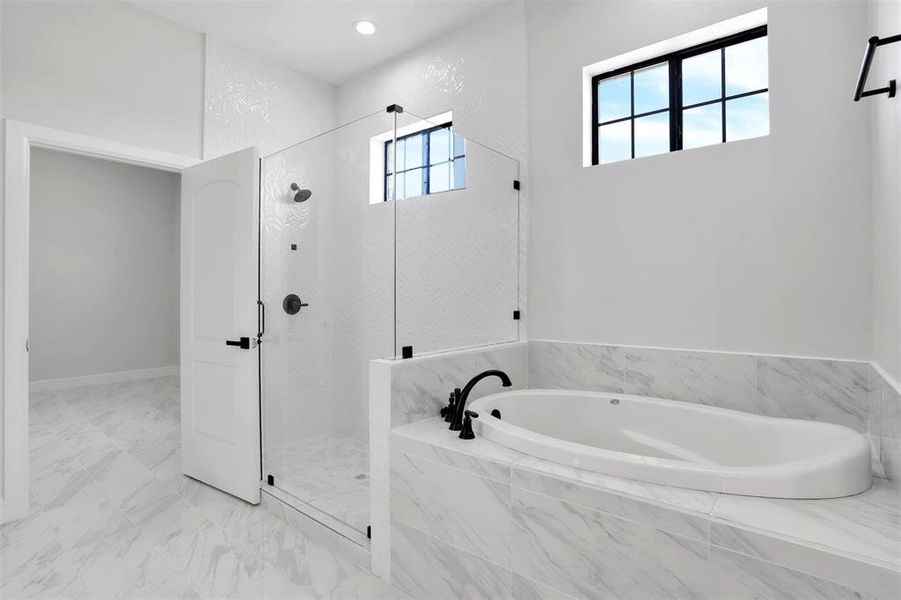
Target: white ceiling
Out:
[317,36]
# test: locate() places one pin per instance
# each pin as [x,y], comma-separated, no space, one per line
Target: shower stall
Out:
[389,236]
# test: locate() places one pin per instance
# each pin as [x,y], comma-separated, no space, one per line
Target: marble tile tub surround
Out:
[835,391]
[884,422]
[420,385]
[520,527]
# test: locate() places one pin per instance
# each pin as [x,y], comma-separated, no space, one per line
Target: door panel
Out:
[220,390]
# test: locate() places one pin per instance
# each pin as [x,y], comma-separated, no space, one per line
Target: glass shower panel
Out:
[327,284]
[457,244]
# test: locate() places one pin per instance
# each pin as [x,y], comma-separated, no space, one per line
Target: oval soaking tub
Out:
[679,443]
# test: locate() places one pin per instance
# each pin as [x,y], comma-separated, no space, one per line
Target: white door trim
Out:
[19,138]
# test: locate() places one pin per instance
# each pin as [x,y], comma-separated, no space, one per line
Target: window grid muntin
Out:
[425,134]
[674,59]
[632,115]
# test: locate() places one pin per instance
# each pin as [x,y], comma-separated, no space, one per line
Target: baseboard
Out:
[48,385]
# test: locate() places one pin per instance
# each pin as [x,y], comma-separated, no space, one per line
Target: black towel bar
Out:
[873,43]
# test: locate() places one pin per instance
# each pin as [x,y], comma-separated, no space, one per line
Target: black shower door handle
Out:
[262,319]
[243,343]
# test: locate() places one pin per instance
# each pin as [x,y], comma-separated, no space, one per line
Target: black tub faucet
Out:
[460,407]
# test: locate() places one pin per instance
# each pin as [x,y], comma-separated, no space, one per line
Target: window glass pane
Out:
[400,187]
[702,126]
[412,152]
[746,67]
[614,98]
[439,146]
[701,78]
[748,117]
[439,178]
[615,142]
[389,157]
[459,145]
[651,88]
[652,135]
[399,155]
[412,181]
[389,187]
[459,165]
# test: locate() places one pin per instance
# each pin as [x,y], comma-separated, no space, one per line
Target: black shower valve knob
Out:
[292,304]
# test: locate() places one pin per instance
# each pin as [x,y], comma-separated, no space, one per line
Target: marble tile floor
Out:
[113,517]
[328,471]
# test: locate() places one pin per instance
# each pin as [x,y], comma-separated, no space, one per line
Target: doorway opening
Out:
[103,340]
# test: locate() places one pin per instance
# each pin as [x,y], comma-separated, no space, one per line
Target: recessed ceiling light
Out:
[364,27]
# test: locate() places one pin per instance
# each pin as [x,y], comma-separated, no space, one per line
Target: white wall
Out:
[104,267]
[755,246]
[1,65]
[478,71]
[106,69]
[251,101]
[886,172]
[2,208]
[455,261]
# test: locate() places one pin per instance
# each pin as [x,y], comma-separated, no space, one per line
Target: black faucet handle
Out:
[448,411]
[467,433]
[453,414]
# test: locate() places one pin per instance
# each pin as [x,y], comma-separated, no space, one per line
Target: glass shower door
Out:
[327,283]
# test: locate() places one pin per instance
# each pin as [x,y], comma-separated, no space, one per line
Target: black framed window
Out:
[712,93]
[428,162]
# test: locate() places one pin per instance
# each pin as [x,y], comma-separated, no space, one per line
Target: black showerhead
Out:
[299,194]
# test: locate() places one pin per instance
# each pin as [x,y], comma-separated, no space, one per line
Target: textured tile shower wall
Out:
[457,260]
[292,404]
[250,101]
[315,362]
[478,72]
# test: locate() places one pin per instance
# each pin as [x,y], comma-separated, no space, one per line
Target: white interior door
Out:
[220,416]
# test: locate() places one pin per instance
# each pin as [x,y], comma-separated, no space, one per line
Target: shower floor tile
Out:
[329,472]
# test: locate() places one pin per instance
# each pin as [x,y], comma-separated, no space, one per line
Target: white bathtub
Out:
[679,443]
